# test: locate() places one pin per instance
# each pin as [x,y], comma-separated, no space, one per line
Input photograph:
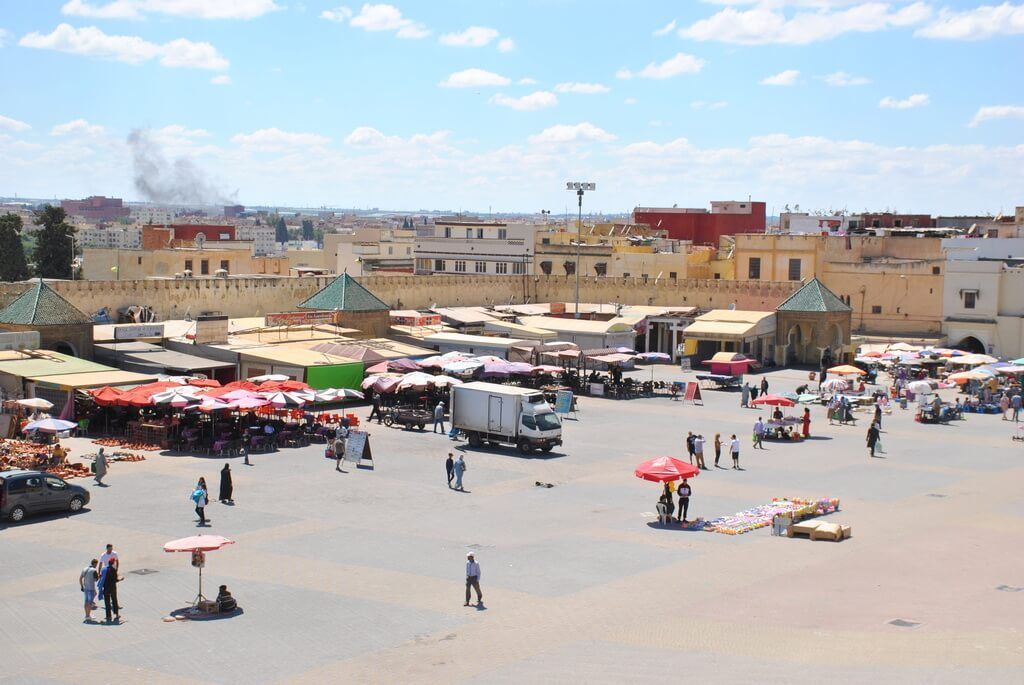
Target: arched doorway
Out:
[794,345]
[972,345]
[65,348]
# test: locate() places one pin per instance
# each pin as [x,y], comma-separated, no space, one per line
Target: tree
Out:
[281,233]
[53,244]
[307,229]
[12,252]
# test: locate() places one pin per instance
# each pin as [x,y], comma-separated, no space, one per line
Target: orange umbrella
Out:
[846,370]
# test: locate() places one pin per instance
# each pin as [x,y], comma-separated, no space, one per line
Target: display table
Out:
[149,433]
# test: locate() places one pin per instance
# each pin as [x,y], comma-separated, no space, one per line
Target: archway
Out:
[794,345]
[65,348]
[972,345]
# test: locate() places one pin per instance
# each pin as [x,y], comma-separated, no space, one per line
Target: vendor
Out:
[58,456]
[225,602]
[777,414]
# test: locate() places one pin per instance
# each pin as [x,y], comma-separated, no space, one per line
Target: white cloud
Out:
[274,139]
[527,81]
[979,23]
[540,99]
[915,100]
[379,17]
[367,137]
[92,42]
[195,9]
[581,88]
[629,101]
[506,45]
[338,14]
[769,23]
[701,104]
[991,112]
[666,29]
[9,124]
[221,80]
[577,133]
[473,37]
[474,78]
[674,66]
[783,78]
[841,79]
[78,127]
[178,137]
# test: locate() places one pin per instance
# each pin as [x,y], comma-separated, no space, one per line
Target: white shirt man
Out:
[473,579]
[108,556]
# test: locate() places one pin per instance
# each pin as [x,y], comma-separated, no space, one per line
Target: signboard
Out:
[563,401]
[135,332]
[597,389]
[300,318]
[684,364]
[557,308]
[211,329]
[417,320]
[693,393]
[356,445]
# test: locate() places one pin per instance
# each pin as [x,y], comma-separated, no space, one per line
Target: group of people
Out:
[201,496]
[455,468]
[695,445]
[666,506]
[99,580]
[749,393]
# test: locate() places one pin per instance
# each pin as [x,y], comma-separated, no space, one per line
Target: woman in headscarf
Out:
[101,466]
[226,487]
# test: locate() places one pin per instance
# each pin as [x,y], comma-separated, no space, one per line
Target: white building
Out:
[151,215]
[475,247]
[115,237]
[983,307]
[262,238]
[803,222]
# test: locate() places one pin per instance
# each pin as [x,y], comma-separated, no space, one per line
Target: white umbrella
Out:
[50,426]
[36,403]
[463,366]
[268,377]
[177,397]
[922,387]
[443,381]
[415,379]
[285,399]
[836,384]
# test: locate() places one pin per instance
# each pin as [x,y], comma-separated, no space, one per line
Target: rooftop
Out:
[813,296]
[40,305]
[345,294]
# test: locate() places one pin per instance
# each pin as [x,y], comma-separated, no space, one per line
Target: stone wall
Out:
[172,299]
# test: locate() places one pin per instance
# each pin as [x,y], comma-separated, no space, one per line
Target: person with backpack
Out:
[200,498]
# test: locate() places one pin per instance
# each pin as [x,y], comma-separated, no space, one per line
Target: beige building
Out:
[359,252]
[983,307]
[475,248]
[229,259]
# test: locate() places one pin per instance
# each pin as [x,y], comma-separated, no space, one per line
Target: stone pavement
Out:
[358,577]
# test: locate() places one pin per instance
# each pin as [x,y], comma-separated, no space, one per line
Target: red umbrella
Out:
[204,382]
[198,545]
[774,400]
[663,469]
[106,395]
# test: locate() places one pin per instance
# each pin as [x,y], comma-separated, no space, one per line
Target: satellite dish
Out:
[200,240]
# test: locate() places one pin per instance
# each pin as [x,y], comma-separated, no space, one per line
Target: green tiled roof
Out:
[813,297]
[40,305]
[345,294]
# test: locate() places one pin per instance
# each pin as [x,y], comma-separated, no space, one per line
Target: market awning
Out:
[95,379]
[718,330]
[174,361]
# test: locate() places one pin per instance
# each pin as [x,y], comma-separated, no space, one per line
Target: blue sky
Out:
[912,105]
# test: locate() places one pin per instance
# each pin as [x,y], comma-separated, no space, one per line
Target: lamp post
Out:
[579,188]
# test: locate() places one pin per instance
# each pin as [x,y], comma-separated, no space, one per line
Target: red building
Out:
[188,232]
[96,208]
[702,226]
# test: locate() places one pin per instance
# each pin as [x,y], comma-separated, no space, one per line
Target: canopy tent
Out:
[971,360]
[664,469]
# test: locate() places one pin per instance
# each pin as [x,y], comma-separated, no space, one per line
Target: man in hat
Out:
[473,579]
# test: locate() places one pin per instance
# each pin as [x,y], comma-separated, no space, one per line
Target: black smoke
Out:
[166,181]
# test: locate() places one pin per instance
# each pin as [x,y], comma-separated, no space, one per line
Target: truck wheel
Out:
[546,448]
[474,439]
[76,504]
[18,514]
[524,447]
[389,421]
[421,426]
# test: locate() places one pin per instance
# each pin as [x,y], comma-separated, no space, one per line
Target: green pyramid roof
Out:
[813,297]
[346,295]
[40,305]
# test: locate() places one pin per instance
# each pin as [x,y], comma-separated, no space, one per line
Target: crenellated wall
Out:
[172,299]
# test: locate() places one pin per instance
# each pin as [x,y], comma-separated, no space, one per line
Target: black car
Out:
[34,492]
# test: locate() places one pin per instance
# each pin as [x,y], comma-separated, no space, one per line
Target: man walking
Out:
[449,467]
[87,581]
[764,386]
[376,410]
[759,433]
[1015,404]
[698,451]
[734,449]
[872,438]
[460,468]
[100,467]
[473,578]
[690,437]
[439,417]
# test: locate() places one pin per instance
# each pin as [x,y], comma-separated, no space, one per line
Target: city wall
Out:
[173,299]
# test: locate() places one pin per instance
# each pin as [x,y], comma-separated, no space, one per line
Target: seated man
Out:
[225,602]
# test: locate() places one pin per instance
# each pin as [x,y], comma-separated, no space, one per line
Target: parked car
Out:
[34,492]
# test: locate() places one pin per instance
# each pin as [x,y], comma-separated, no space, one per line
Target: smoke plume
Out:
[166,181]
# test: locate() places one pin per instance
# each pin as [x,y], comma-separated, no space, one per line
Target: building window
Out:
[204,267]
[545,241]
[502,234]
[936,270]
[481,267]
[391,249]
[447,231]
[754,269]
[501,267]
[138,261]
[875,223]
[460,266]
[479,233]
[794,269]
[545,267]
[439,265]
[897,223]
[876,309]
[469,232]
[224,264]
[188,265]
[518,268]
[673,275]
[570,268]
[970,300]
[718,276]
[601,268]
[625,274]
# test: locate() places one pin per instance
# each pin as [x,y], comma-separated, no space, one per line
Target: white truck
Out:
[504,414]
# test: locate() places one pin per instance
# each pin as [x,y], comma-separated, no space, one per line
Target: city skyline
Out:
[821,103]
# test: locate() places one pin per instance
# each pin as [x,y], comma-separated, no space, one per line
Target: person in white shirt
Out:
[109,556]
[473,579]
[734,449]
[698,451]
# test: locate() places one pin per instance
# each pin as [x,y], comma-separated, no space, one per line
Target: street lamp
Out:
[579,188]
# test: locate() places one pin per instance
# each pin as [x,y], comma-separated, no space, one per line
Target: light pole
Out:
[579,188]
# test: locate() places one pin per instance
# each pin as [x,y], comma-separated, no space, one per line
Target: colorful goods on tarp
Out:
[761,516]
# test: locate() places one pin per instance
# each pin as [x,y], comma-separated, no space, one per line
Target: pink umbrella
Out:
[520,367]
[239,395]
[247,403]
[198,545]
[547,368]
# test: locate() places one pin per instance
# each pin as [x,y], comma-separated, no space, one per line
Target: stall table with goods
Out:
[783,509]
[149,433]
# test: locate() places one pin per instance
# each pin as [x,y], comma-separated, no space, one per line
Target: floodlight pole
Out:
[579,188]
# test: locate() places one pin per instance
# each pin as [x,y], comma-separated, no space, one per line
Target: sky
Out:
[906,105]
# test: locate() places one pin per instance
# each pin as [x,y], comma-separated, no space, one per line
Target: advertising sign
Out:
[300,318]
[135,332]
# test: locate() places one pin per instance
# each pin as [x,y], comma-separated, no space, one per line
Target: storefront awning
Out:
[95,379]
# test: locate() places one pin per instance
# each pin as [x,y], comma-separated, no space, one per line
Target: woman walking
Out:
[200,497]
[227,489]
[872,438]
[807,422]
[718,448]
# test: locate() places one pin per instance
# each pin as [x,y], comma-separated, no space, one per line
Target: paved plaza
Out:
[359,577]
